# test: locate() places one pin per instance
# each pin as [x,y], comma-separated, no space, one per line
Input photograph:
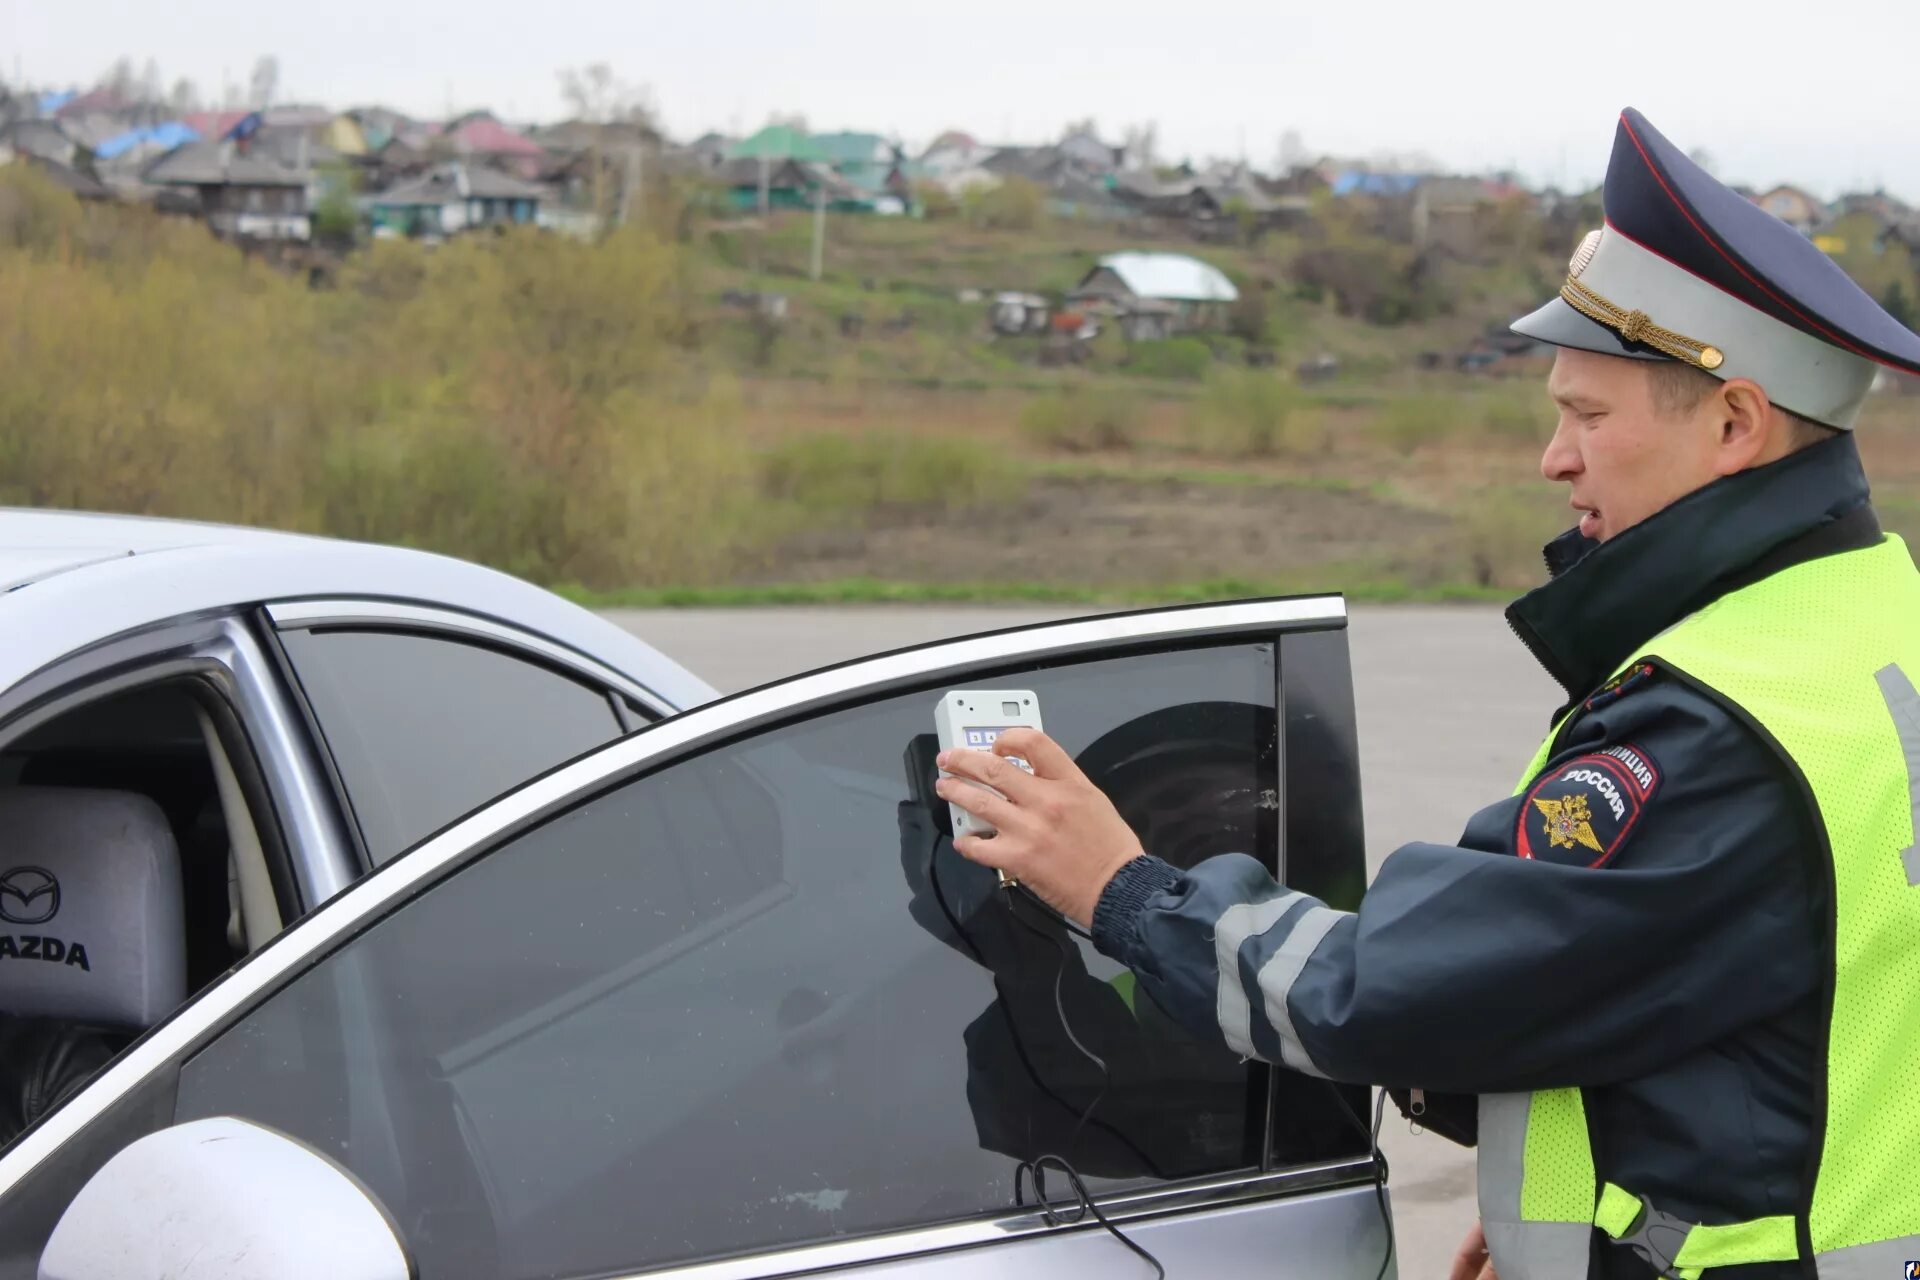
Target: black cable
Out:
[1372,1138]
[1380,1181]
[1037,1167]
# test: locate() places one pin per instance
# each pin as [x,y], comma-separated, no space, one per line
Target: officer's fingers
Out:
[994,810]
[1470,1261]
[997,851]
[997,772]
[1048,758]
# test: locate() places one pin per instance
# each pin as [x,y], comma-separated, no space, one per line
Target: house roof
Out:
[869,178]
[43,138]
[455,183]
[479,133]
[103,100]
[164,137]
[213,124]
[204,164]
[297,117]
[848,148]
[777,141]
[953,140]
[84,185]
[1171,277]
[585,135]
[1362,182]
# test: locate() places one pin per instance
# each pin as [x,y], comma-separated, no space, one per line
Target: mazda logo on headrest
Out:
[29,895]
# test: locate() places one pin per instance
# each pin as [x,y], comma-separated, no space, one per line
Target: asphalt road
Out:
[1450,708]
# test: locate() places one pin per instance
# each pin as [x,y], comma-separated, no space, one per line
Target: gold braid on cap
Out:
[1638,326]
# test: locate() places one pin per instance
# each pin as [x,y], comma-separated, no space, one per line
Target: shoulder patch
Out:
[1581,811]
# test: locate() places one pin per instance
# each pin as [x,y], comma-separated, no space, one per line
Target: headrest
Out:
[91,925]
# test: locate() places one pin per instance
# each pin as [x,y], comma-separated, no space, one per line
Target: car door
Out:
[719,1000]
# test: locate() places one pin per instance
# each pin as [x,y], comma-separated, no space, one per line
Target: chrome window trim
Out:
[223,647]
[835,1255]
[360,905]
[303,615]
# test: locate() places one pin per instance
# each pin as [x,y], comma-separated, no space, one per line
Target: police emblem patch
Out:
[1581,811]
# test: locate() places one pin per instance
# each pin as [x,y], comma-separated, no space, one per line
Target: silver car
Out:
[714,999]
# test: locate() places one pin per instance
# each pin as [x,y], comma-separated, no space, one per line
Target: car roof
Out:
[70,579]
[38,544]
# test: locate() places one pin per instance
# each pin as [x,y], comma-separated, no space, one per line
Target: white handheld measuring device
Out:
[974,719]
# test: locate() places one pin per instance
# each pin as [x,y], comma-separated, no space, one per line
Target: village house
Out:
[1886,210]
[708,151]
[479,137]
[870,165]
[242,197]
[1083,148]
[1800,210]
[454,198]
[953,152]
[785,183]
[1156,295]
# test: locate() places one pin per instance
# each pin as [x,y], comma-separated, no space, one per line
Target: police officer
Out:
[1674,980]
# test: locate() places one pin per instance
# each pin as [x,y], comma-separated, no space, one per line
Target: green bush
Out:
[1502,531]
[515,400]
[1184,358]
[1409,422]
[1079,419]
[1248,413]
[845,477]
[1013,204]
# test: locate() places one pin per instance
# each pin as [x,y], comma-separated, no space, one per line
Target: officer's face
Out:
[1624,457]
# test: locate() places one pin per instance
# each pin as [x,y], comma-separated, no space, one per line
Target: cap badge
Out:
[1583,256]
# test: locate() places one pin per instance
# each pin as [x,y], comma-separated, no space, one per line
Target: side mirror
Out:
[228,1200]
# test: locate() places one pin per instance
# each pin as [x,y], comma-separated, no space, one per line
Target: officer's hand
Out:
[1059,835]
[1472,1262]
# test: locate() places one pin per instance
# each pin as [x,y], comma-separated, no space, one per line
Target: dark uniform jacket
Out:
[1643,922]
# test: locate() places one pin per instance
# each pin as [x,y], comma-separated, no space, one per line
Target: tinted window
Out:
[424,729]
[755,1000]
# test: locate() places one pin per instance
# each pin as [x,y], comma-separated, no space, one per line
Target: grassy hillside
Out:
[605,417]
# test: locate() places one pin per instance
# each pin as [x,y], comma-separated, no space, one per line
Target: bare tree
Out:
[263,83]
[119,79]
[595,94]
[183,98]
[1142,144]
[1293,153]
[152,87]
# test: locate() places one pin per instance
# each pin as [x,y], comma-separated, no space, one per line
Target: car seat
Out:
[92,941]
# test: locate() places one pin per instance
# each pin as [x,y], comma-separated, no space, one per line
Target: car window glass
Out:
[755,1000]
[423,729]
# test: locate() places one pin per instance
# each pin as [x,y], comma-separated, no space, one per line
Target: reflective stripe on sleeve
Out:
[1237,923]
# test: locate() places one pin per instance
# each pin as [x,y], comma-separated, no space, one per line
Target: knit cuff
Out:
[1125,897]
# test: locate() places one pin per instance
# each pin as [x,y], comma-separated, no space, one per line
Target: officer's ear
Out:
[1751,433]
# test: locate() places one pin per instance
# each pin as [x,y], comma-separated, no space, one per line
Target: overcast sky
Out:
[1825,95]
